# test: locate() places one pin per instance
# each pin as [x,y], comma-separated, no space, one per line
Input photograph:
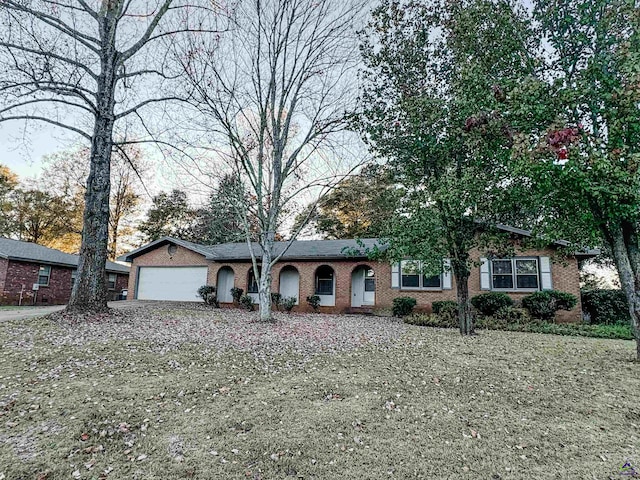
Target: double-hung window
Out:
[44,273]
[412,277]
[111,280]
[515,274]
[74,276]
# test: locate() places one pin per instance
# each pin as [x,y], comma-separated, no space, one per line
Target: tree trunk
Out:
[264,289]
[265,276]
[89,294]
[465,316]
[264,293]
[628,271]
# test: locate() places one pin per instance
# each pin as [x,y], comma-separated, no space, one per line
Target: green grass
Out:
[615,331]
[503,405]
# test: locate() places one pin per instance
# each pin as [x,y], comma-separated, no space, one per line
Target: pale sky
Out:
[22,151]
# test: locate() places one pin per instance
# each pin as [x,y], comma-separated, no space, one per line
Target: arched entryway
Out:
[253,285]
[225,284]
[290,283]
[363,286]
[325,285]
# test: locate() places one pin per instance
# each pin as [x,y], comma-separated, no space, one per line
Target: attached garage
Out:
[170,283]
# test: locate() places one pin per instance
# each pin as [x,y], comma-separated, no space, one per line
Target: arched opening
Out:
[225,284]
[325,285]
[290,283]
[363,286]
[253,285]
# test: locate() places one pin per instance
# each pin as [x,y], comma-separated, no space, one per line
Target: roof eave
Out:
[123,269]
[152,245]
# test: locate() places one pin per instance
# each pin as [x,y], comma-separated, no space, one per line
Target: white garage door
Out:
[171,283]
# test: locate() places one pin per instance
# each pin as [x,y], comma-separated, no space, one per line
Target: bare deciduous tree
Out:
[87,66]
[274,96]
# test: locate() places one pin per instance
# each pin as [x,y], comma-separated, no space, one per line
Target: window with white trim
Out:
[111,281]
[74,276]
[413,278]
[517,273]
[44,273]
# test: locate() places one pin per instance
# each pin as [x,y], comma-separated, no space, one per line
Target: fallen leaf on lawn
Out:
[84,437]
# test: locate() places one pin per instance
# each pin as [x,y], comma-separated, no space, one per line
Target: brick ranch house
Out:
[24,265]
[173,269]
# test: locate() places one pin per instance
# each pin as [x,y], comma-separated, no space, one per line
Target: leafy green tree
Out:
[65,175]
[169,215]
[41,217]
[223,219]
[581,156]
[358,207]
[8,183]
[435,74]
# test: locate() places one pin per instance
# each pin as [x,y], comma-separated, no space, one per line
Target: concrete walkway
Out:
[22,313]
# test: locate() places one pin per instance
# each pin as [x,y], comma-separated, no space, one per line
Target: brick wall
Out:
[342,278]
[565,278]
[3,274]
[122,283]
[160,257]
[25,273]
[57,293]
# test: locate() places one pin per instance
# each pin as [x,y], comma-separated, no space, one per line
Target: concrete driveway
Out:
[22,313]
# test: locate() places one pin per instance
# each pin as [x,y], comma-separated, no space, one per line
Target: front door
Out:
[363,287]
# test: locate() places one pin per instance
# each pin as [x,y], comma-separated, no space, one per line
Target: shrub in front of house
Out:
[507,318]
[544,305]
[445,308]
[489,303]
[208,294]
[432,320]
[276,299]
[236,294]
[246,302]
[288,303]
[314,302]
[403,306]
[605,307]
[518,320]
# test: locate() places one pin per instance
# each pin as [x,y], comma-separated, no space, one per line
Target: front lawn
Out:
[170,392]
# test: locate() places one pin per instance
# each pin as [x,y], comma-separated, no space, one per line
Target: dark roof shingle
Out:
[32,252]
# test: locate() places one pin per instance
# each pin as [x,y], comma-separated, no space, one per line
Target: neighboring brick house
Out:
[24,265]
[173,269]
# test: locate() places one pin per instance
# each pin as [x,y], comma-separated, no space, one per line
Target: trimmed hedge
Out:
[403,306]
[606,307]
[545,304]
[446,307]
[617,331]
[489,303]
